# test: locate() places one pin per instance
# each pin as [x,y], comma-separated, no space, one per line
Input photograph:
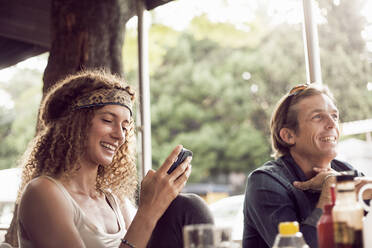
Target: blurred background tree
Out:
[18,122]
[214,85]
[346,65]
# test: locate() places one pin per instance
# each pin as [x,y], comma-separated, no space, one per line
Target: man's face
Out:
[318,129]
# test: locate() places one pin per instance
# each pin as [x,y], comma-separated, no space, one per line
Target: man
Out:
[296,186]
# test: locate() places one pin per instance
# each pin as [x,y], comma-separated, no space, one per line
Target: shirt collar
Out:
[294,167]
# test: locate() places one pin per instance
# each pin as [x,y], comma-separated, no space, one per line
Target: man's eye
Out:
[105,120]
[316,117]
[335,117]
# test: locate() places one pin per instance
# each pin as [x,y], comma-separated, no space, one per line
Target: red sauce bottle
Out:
[325,228]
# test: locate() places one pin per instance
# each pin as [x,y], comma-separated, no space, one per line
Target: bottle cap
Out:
[288,228]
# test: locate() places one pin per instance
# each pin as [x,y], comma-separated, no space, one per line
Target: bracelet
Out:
[125,242]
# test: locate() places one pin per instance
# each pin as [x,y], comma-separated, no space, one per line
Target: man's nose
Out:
[331,122]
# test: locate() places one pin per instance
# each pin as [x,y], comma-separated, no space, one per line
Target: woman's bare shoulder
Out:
[41,187]
[42,181]
[43,194]
[45,209]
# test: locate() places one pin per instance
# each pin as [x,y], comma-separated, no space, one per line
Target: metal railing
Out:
[4,227]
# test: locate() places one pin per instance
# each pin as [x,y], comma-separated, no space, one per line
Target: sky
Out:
[179,13]
[233,11]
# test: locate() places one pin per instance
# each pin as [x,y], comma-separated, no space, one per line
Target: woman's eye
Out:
[105,120]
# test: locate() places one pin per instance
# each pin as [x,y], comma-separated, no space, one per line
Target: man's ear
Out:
[287,135]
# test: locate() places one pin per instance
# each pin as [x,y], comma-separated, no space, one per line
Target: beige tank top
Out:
[92,236]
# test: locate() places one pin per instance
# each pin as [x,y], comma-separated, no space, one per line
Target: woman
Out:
[80,169]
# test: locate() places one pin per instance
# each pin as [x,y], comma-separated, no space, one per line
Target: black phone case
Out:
[184,153]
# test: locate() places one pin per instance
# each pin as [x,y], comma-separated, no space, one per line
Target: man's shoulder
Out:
[272,166]
[274,169]
[273,176]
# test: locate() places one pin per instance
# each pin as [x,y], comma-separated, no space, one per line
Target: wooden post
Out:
[144,89]
[311,44]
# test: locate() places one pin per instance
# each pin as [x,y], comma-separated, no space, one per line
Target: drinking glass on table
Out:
[367,220]
[207,236]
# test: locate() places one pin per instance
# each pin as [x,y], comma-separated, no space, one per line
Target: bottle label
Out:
[346,236]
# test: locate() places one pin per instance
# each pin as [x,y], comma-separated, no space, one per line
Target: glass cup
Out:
[367,220]
[207,236]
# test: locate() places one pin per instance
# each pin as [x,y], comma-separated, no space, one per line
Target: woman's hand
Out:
[158,188]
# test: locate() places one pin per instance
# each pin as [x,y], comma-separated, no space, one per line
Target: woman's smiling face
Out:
[106,134]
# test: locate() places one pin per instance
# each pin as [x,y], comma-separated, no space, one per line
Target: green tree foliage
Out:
[200,98]
[214,86]
[17,125]
[344,58]
[198,101]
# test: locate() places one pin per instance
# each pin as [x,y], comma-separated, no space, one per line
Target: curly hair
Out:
[285,116]
[61,141]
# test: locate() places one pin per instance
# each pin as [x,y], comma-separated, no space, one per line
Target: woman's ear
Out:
[287,135]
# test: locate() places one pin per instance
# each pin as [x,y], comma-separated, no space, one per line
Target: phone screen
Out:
[184,153]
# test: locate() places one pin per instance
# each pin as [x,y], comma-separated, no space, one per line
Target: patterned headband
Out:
[104,97]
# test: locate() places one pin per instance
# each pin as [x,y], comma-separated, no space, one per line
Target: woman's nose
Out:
[119,133]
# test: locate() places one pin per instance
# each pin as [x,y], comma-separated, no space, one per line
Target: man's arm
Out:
[321,182]
[268,203]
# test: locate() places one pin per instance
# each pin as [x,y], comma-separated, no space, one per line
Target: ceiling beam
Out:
[152,4]
[26,21]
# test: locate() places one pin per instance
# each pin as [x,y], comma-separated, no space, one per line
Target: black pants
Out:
[186,209]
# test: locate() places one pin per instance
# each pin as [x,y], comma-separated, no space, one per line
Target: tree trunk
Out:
[86,34]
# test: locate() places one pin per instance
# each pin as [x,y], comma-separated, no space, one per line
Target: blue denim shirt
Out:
[271,198]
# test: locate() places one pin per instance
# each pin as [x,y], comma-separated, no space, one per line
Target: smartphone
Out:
[184,153]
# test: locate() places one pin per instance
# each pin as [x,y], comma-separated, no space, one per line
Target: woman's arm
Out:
[47,217]
[158,190]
